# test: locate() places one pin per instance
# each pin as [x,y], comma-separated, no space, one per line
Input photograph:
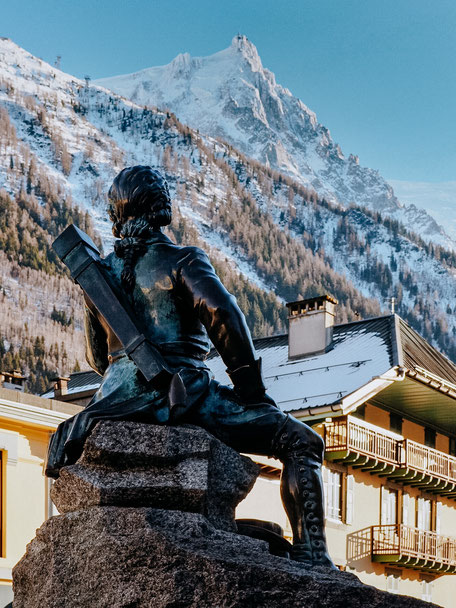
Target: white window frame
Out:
[426,590]
[332,481]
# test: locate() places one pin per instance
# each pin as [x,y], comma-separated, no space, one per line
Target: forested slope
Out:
[271,239]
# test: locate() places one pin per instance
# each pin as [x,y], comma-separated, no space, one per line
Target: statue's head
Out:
[139,193]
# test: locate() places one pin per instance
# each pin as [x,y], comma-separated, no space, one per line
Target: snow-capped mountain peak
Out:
[231,95]
[63,140]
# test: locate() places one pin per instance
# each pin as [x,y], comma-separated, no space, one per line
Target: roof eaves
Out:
[357,397]
[433,381]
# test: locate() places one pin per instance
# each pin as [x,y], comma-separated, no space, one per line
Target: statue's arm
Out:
[96,342]
[224,322]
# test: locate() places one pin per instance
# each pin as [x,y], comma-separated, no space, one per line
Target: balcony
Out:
[360,445]
[404,546]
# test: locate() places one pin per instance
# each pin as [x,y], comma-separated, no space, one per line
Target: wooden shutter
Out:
[349,498]
[405,508]
[438,512]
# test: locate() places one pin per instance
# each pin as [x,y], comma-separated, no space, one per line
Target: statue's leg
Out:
[301,451]
[264,429]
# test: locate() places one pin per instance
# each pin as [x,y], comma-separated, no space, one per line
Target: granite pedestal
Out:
[147,520]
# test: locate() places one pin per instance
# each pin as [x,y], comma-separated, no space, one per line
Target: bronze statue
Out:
[181,306]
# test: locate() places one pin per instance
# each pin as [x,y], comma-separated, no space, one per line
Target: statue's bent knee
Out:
[298,439]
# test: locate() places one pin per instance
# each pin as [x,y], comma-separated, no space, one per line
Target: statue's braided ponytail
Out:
[130,248]
[139,203]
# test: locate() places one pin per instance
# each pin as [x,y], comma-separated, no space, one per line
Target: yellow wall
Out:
[26,422]
[349,545]
[24,491]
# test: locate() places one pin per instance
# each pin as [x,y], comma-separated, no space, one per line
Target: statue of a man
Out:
[180,301]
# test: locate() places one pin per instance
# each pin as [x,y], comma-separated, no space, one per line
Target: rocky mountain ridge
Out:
[231,95]
[62,141]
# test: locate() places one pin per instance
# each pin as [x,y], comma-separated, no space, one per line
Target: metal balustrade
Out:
[398,543]
[428,460]
[348,436]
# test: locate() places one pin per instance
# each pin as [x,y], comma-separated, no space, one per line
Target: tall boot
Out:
[301,451]
[302,496]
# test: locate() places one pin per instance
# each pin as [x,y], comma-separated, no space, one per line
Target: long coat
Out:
[182,306]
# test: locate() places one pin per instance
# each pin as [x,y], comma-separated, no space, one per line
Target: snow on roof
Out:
[361,351]
[79,382]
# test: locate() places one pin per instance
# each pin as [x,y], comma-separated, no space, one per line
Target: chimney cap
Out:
[316,300]
[57,378]
[15,373]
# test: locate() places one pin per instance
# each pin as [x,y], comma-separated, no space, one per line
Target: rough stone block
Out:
[120,557]
[131,464]
[148,523]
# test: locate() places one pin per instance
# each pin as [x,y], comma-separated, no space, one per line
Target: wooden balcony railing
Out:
[401,544]
[349,439]
[427,460]
[345,433]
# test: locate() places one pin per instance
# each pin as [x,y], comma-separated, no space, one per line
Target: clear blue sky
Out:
[380,74]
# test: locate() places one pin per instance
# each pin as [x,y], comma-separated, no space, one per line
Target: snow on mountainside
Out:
[232,96]
[439,200]
[272,240]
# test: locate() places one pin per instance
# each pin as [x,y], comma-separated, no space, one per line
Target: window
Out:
[332,481]
[396,423]
[392,580]
[426,590]
[339,495]
[388,514]
[429,437]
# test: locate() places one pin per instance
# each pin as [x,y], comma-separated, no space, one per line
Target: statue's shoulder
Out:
[189,254]
[111,259]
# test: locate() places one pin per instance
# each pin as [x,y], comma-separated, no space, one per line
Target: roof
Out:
[360,351]
[380,359]
[418,354]
[79,382]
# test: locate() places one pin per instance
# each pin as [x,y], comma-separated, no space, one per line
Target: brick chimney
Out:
[311,325]
[14,380]
[60,386]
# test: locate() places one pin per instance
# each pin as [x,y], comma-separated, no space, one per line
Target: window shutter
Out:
[384,507]
[349,500]
[324,472]
[405,508]
[423,521]
[438,512]
[337,480]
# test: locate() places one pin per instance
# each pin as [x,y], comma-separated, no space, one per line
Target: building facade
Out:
[384,400]
[26,422]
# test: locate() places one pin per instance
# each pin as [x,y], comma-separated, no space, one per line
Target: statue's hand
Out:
[248,384]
